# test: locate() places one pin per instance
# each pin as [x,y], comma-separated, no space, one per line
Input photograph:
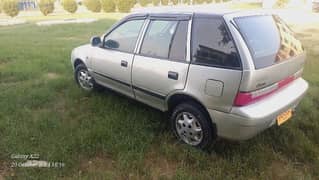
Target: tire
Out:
[89,83]
[187,119]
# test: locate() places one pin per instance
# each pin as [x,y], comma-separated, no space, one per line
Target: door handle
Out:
[124,63]
[172,75]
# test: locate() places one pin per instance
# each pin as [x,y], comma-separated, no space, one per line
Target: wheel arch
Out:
[178,98]
[78,61]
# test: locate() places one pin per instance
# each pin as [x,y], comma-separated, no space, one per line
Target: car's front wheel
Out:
[83,78]
[192,126]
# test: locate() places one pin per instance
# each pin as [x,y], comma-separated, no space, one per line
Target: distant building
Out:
[25,5]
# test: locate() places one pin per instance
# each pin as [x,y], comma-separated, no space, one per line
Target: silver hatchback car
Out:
[229,75]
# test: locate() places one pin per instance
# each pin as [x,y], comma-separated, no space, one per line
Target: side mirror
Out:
[112,44]
[96,41]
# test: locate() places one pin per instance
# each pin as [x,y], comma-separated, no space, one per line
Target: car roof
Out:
[197,10]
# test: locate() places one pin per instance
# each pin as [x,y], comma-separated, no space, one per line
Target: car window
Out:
[124,37]
[179,43]
[165,39]
[269,39]
[212,45]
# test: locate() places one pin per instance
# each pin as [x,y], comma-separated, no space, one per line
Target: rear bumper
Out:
[243,123]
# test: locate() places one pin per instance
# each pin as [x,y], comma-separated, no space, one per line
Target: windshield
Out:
[269,39]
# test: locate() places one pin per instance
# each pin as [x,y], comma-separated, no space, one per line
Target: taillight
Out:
[245,98]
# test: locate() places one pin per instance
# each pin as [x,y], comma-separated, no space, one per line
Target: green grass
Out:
[105,135]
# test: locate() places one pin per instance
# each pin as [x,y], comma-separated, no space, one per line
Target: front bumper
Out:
[245,122]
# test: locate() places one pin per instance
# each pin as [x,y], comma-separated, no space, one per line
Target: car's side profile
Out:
[217,74]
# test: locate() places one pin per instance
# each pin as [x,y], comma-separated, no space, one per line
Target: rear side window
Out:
[212,45]
[179,42]
[269,39]
[165,39]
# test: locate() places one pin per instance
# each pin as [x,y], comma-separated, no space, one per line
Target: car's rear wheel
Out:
[192,126]
[83,78]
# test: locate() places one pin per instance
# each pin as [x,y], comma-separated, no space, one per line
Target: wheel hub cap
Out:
[85,80]
[189,129]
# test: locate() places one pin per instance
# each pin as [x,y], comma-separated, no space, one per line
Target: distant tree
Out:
[108,5]
[125,5]
[164,2]
[187,2]
[10,7]
[281,3]
[156,2]
[133,2]
[69,5]
[198,1]
[144,3]
[92,5]
[46,6]
[175,2]
[208,1]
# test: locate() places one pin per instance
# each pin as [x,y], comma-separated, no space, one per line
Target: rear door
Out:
[160,66]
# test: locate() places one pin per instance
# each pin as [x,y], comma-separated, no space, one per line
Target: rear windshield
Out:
[269,39]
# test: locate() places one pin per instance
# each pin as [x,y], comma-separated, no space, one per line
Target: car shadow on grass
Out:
[256,152]
[220,146]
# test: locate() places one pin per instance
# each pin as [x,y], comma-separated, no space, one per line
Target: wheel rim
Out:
[189,129]
[85,80]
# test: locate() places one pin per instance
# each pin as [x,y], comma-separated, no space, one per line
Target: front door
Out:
[112,62]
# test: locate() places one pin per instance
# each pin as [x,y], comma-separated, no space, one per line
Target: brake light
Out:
[245,98]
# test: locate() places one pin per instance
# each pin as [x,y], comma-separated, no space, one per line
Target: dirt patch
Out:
[60,107]
[277,170]
[4,62]
[66,21]
[283,170]
[160,166]
[52,75]
[2,65]
[5,170]
[100,163]
[304,35]
[311,30]
[157,166]
[10,22]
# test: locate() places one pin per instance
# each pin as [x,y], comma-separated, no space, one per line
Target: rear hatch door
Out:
[277,54]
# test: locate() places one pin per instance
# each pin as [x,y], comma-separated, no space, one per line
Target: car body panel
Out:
[196,83]
[261,78]
[156,86]
[151,74]
[82,53]
[247,121]
[107,69]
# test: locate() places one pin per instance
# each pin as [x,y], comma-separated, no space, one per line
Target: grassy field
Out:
[105,135]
